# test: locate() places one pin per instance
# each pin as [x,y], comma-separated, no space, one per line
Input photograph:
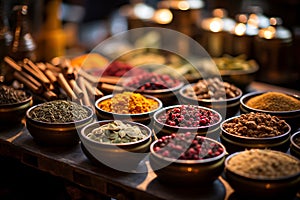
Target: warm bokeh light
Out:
[183,5]
[163,16]
[143,11]
[216,25]
[267,33]
[240,29]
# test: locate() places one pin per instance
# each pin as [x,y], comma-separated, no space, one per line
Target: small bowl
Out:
[235,143]
[291,117]
[56,134]
[254,187]
[14,113]
[162,129]
[227,107]
[295,146]
[186,171]
[121,156]
[144,118]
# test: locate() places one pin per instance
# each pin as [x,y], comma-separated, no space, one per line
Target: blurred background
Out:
[264,30]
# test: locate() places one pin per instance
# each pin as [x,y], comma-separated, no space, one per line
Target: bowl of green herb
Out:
[57,122]
[119,144]
[13,104]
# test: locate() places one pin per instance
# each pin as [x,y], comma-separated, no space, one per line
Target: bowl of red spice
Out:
[129,106]
[255,131]
[13,104]
[295,144]
[213,93]
[187,118]
[263,174]
[283,105]
[161,86]
[185,158]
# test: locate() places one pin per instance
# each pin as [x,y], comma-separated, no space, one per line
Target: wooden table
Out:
[70,163]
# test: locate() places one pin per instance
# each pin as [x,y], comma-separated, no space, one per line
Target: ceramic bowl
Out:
[295,144]
[13,113]
[291,117]
[162,129]
[120,156]
[265,187]
[144,118]
[186,171]
[227,107]
[235,143]
[56,134]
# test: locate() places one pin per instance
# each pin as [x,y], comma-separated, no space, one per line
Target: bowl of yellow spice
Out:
[283,105]
[129,106]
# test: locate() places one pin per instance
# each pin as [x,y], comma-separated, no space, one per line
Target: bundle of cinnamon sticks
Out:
[49,80]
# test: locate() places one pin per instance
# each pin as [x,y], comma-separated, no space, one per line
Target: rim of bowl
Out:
[137,114]
[181,92]
[91,113]
[254,68]
[252,138]
[157,113]
[83,134]
[253,94]
[227,159]
[294,136]
[180,84]
[190,161]
[29,98]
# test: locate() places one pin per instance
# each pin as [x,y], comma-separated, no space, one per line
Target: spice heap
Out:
[187,146]
[10,95]
[297,141]
[212,88]
[59,111]
[152,81]
[119,69]
[189,116]
[117,132]
[264,164]
[128,103]
[274,101]
[257,125]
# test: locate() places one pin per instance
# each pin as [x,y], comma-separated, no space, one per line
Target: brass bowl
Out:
[13,113]
[295,147]
[187,172]
[144,118]
[226,107]
[161,129]
[120,156]
[247,187]
[291,117]
[235,143]
[56,134]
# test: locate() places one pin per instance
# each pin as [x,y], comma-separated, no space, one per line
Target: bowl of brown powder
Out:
[283,105]
[263,174]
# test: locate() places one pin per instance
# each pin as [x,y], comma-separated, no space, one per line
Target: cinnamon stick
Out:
[88,76]
[30,85]
[12,63]
[50,95]
[111,88]
[66,87]
[85,98]
[94,91]
[77,90]
[37,70]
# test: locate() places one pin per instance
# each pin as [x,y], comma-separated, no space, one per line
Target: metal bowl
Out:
[235,143]
[144,118]
[187,172]
[56,134]
[226,107]
[120,156]
[13,113]
[295,147]
[247,187]
[161,129]
[291,117]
